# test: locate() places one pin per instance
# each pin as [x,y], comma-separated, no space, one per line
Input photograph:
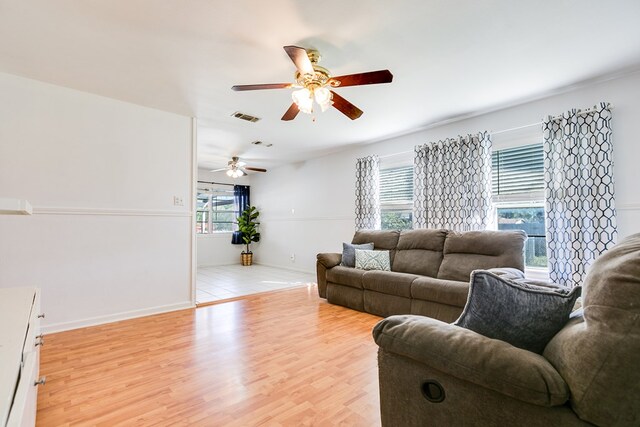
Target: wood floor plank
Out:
[280,359]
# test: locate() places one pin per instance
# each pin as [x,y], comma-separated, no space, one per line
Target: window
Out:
[518,170]
[531,220]
[215,211]
[396,198]
[518,193]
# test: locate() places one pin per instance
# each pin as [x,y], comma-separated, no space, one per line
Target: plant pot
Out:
[247,259]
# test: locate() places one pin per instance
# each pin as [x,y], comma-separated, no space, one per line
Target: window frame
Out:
[212,193]
[402,205]
[517,139]
[538,273]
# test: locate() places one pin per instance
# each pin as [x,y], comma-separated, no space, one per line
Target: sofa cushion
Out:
[349,253]
[420,251]
[476,250]
[382,239]
[448,292]
[524,315]
[597,354]
[387,282]
[346,276]
[373,260]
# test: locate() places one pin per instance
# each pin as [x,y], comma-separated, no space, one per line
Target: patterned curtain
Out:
[453,184]
[368,193]
[580,212]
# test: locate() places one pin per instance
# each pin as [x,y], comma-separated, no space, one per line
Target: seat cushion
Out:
[390,283]
[450,292]
[480,250]
[346,276]
[420,252]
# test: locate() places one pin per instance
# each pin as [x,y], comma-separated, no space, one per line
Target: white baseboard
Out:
[116,317]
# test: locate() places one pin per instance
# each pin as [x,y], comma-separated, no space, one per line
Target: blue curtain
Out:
[241,200]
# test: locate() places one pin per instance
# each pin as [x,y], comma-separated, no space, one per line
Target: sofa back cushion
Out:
[420,252]
[480,250]
[597,354]
[382,240]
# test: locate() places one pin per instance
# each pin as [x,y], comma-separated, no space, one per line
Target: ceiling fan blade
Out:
[244,172]
[219,170]
[262,86]
[299,57]
[291,113]
[369,78]
[249,168]
[345,107]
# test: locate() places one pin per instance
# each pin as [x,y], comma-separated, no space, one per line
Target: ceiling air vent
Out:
[246,117]
[264,144]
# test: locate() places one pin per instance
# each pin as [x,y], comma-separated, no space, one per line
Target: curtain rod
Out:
[213,182]
[395,154]
[580,113]
[558,117]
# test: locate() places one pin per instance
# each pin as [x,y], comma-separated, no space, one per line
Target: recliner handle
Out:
[432,391]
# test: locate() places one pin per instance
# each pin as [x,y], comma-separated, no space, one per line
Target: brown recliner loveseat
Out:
[429,274]
[437,374]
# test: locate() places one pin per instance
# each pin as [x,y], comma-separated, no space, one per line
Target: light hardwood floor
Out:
[285,358]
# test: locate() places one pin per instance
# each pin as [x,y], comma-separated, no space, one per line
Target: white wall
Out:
[105,240]
[216,249]
[309,207]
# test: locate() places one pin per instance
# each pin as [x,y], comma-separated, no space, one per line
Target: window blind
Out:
[517,170]
[396,185]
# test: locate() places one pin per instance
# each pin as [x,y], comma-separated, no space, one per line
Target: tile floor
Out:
[232,281]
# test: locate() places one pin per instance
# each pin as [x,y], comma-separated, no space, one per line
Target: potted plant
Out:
[247,225]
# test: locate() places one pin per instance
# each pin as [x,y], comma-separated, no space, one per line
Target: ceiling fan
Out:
[235,168]
[316,83]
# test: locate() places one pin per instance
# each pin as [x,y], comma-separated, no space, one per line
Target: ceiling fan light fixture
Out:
[230,172]
[323,98]
[303,100]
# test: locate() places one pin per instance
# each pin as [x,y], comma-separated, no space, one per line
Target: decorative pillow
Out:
[349,253]
[373,260]
[520,313]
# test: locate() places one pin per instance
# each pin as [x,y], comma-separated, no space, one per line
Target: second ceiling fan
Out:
[236,168]
[315,83]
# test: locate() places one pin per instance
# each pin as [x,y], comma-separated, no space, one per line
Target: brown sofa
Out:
[430,270]
[437,374]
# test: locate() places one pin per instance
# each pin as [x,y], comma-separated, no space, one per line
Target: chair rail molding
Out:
[55,210]
[628,207]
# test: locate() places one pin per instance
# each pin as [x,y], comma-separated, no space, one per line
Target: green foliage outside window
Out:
[396,220]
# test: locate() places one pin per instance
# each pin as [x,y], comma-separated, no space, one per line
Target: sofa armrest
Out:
[325,262]
[329,260]
[472,357]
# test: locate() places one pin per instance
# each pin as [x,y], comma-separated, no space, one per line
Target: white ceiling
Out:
[448,58]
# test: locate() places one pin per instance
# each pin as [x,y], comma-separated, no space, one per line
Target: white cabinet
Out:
[20,342]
